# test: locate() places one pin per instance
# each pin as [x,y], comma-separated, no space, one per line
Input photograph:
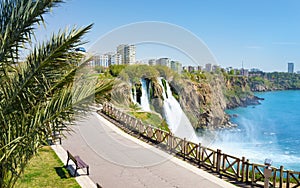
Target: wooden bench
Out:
[78,162]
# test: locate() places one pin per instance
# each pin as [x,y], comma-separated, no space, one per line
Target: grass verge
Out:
[152,119]
[47,171]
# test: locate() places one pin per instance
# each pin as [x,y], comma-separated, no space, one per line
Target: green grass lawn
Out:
[152,119]
[46,170]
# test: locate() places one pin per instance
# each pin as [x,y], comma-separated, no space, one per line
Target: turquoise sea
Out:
[269,130]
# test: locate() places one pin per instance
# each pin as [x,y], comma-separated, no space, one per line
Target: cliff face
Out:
[204,103]
[238,93]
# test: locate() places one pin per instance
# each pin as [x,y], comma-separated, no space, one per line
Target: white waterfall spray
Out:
[145,97]
[178,122]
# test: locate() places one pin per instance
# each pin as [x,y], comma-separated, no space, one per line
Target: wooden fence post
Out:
[110,110]
[224,162]
[202,155]
[136,125]
[243,169]
[247,170]
[219,154]
[199,154]
[183,150]
[288,179]
[171,142]
[107,109]
[274,177]
[103,107]
[159,135]
[281,177]
[139,125]
[130,122]
[253,174]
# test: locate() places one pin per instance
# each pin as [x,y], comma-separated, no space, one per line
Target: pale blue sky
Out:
[262,33]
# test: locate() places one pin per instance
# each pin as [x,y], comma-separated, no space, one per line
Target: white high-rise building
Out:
[164,62]
[100,60]
[116,59]
[130,54]
[120,50]
[104,60]
[176,66]
[127,52]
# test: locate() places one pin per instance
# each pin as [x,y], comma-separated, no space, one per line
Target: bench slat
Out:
[80,162]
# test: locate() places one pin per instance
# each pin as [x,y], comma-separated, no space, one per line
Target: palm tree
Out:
[38,94]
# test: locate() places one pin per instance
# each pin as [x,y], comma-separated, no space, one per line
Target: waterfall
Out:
[178,122]
[145,98]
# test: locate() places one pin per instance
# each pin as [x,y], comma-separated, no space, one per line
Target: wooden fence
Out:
[239,169]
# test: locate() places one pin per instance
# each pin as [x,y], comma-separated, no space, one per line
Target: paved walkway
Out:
[117,159]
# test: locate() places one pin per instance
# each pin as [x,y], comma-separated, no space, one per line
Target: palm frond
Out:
[44,67]
[17,20]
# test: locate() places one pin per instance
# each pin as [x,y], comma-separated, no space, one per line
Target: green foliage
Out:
[136,72]
[164,125]
[41,94]
[133,73]
[164,71]
[100,69]
[115,70]
[197,76]
[276,80]
[238,89]
[134,107]
[231,72]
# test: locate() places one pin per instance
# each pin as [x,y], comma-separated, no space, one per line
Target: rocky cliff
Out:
[203,102]
[238,93]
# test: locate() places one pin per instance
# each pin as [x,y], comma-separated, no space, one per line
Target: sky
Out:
[262,34]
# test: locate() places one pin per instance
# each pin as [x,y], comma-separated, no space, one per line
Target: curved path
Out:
[117,159]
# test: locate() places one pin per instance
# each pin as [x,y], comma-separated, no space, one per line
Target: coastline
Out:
[268,127]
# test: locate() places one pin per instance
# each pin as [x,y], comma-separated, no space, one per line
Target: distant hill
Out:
[275,81]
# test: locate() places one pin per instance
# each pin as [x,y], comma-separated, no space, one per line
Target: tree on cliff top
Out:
[38,95]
